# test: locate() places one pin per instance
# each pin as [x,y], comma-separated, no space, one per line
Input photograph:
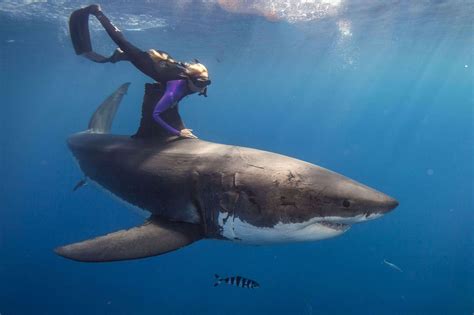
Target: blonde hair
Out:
[196,70]
[159,56]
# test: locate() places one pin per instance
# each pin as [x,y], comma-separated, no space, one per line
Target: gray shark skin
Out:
[195,189]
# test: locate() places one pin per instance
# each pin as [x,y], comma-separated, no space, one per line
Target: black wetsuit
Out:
[156,64]
[159,69]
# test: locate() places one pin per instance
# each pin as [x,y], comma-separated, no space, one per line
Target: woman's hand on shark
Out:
[187,133]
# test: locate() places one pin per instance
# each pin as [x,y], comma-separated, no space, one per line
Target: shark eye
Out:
[346,203]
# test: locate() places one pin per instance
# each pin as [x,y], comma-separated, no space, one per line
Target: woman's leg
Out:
[143,61]
[115,34]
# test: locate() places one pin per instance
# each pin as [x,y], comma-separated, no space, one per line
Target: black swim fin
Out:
[80,35]
[79,29]
[155,237]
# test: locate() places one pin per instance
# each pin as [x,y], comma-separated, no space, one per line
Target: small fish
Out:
[237,281]
[81,183]
[392,265]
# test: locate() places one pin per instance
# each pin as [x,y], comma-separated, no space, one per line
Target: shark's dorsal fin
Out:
[149,129]
[155,237]
[101,120]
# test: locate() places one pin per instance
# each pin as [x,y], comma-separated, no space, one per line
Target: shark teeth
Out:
[335,226]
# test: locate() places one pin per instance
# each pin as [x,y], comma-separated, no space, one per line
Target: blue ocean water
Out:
[379,92]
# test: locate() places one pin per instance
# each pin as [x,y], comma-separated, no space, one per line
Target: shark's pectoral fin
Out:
[155,237]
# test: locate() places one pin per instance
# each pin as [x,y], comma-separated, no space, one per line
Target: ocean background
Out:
[380,91]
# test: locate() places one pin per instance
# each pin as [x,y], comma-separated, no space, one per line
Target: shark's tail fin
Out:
[218,280]
[101,120]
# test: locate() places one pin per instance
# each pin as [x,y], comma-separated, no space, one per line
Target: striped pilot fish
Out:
[237,281]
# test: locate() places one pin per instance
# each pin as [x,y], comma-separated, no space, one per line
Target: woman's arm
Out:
[175,91]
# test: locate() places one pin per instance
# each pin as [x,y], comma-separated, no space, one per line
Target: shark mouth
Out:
[236,229]
[367,216]
[335,226]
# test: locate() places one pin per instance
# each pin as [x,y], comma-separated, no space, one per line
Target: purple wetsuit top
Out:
[175,91]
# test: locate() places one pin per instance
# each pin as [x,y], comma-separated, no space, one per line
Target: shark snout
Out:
[366,197]
[388,204]
[377,202]
[360,202]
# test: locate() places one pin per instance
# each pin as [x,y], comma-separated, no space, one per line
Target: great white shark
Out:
[194,189]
